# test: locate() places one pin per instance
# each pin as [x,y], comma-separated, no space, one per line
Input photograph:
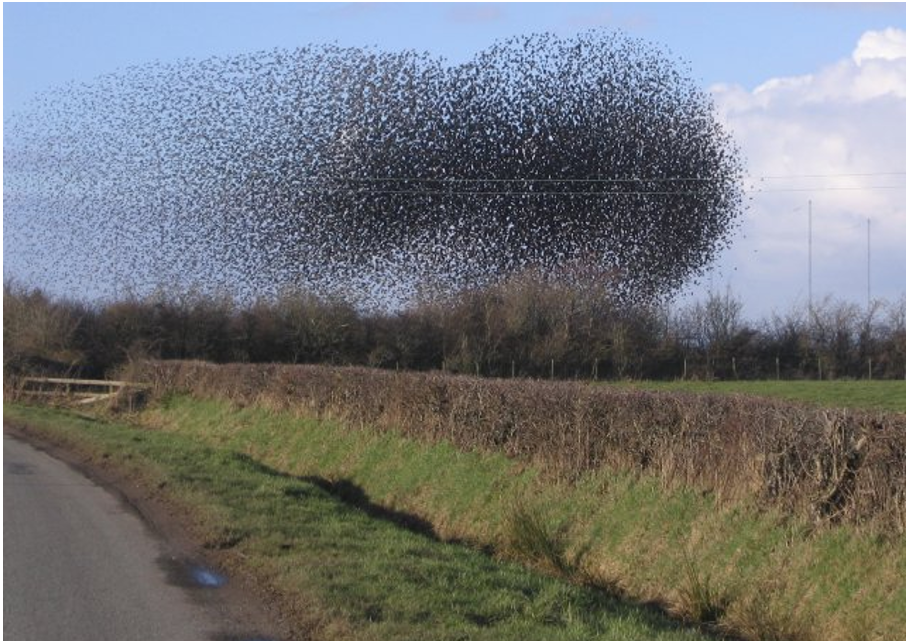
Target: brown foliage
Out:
[833,465]
[527,326]
[38,333]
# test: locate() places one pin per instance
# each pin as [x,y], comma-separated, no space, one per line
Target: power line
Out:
[422,179]
[480,192]
[794,176]
[599,179]
[827,189]
[457,180]
[380,192]
[522,186]
[437,186]
[596,179]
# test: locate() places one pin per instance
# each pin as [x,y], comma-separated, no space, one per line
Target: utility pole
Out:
[811,313]
[868,267]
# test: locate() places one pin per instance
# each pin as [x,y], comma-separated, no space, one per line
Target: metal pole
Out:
[868,266]
[810,313]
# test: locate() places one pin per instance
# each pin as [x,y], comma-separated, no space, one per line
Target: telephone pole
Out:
[868,267]
[810,310]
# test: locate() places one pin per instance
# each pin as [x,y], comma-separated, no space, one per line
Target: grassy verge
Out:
[866,395]
[754,572]
[757,572]
[343,561]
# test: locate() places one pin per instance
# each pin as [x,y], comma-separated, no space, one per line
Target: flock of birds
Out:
[375,175]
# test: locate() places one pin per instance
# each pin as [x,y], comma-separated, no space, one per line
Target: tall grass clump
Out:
[532,538]
[698,598]
[760,618]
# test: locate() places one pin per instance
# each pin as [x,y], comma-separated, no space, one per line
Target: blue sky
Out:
[49,44]
[788,79]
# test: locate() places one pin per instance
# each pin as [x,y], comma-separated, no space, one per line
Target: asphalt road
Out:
[78,563]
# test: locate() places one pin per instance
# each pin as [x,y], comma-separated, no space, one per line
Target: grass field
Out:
[308,503]
[869,395]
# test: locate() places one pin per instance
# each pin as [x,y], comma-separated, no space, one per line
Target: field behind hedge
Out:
[862,394]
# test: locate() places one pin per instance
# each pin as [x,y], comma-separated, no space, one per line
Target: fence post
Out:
[513,369]
[777,366]
[869,368]
[552,368]
[595,371]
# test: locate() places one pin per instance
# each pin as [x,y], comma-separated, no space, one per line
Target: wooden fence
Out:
[75,391]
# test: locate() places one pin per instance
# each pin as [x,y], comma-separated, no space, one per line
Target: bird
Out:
[348,168]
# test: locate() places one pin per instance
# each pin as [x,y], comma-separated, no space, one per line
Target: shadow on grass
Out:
[589,594]
[348,493]
[354,495]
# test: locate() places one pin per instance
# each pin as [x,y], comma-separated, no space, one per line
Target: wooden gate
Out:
[75,391]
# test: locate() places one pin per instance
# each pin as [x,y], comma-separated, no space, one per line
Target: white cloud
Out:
[889,44]
[826,133]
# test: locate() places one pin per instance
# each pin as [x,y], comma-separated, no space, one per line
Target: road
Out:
[79,563]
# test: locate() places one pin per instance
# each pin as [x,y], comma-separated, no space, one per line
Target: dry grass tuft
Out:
[531,538]
[759,617]
[698,599]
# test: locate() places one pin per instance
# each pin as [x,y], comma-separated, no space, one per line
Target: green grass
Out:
[775,574]
[867,395]
[769,574]
[367,576]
